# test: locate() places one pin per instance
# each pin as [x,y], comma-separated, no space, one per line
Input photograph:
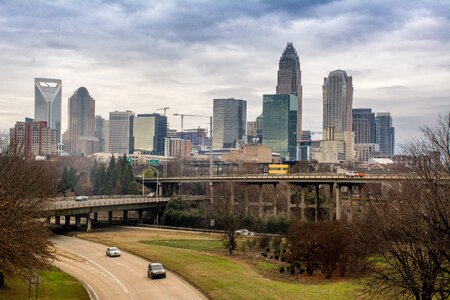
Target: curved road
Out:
[117,278]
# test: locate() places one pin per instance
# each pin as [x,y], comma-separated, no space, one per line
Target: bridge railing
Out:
[290,176]
[103,201]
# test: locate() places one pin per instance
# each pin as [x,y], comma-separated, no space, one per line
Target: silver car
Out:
[112,251]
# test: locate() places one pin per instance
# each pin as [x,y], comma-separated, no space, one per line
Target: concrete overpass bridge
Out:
[340,200]
[63,210]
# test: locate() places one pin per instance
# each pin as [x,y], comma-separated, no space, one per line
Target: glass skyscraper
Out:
[121,132]
[385,133]
[290,80]
[229,122]
[280,125]
[47,103]
[149,132]
[363,125]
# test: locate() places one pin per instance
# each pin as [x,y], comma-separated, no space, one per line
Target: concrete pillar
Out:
[288,201]
[110,217]
[350,204]
[95,216]
[48,220]
[140,216]
[57,220]
[331,203]
[125,216]
[275,208]
[231,197]
[302,204]
[260,200]
[77,221]
[337,190]
[67,221]
[316,209]
[160,189]
[211,193]
[88,222]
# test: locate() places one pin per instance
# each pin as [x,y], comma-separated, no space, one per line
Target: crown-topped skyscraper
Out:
[290,80]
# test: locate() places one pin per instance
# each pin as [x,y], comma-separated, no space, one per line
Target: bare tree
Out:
[25,186]
[407,226]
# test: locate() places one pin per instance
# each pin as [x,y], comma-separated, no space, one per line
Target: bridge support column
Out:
[337,190]
[67,221]
[88,222]
[275,201]
[140,216]
[125,216]
[260,200]
[95,216]
[302,204]
[231,197]
[288,201]
[317,204]
[331,203]
[57,220]
[211,193]
[246,199]
[350,204]
[110,217]
[77,221]
[48,220]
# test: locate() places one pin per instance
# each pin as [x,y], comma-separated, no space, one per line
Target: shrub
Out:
[276,257]
[282,269]
[264,242]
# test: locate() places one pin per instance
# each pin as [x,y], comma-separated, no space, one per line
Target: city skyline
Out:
[154,55]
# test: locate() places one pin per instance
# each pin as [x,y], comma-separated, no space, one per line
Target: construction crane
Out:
[183,115]
[164,108]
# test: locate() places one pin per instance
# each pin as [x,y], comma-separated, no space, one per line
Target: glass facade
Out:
[149,133]
[385,133]
[229,122]
[121,132]
[280,125]
[363,125]
[47,103]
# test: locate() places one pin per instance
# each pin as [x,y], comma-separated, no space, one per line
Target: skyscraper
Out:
[149,132]
[385,133]
[290,80]
[363,125]
[229,121]
[337,102]
[100,131]
[81,124]
[280,125]
[47,103]
[121,132]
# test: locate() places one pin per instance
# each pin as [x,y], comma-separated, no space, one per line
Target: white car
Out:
[112,251]
[244,232]
[81,198]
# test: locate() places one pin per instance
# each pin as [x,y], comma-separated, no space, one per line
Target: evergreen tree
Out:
[63,182]
[72,178]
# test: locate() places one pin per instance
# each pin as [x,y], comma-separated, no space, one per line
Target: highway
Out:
[117,278]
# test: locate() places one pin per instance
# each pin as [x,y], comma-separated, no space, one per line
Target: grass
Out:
[220,276]
[53,284]
[265,266]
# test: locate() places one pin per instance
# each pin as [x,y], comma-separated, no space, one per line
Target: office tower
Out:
[363,125]
[34,138]
[290,80]
[99,132]
[47,103]
[305,145]
[149,132]
[178,148]
[385,133]
[81,124]
[198,137]
[251,132]
[280,125]
[259,125]
[229,120]
[106,131]
[337,102]
[121,132]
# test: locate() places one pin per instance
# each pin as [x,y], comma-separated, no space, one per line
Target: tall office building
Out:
[337,102]
[385,133]
[280,125]
[34,138]
[363,125]
[81,124]
[121,132]
[99,132]
[47,103]
[149,132]
[290,80]
[229,121]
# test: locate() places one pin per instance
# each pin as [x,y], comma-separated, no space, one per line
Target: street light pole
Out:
[211,171]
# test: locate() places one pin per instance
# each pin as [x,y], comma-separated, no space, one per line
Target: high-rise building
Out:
[34,138]
[337,101]
[280,125]
[363,125]
[305,145]
[100,132]
[290,80]
[198,137]
[149,132]
[385,133]
[121,132]
[47,103]
[229,121]
[81,124]
[178,148]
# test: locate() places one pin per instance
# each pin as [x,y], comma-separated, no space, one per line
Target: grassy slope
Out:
[54,284]
[217,274]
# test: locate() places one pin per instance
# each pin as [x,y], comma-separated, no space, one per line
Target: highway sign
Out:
[154,162]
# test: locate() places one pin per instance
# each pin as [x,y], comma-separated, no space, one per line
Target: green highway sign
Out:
[154,162]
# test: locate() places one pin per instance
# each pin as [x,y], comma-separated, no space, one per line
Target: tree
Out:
[25,186]
[407,227]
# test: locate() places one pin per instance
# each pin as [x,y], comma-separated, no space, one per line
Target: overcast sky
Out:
[144,55]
